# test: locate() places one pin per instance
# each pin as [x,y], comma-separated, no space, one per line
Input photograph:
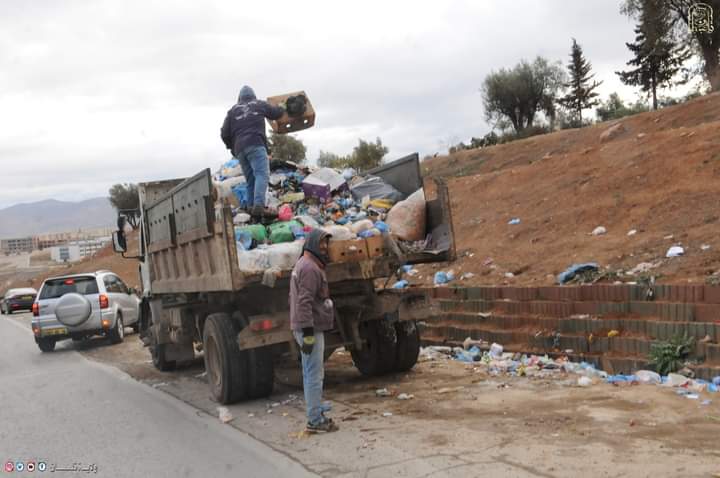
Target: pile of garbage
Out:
[346,205]
[498,362]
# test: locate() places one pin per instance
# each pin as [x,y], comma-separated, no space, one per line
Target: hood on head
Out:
[246,94]
[312,244]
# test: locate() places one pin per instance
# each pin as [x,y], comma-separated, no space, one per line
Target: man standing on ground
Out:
[243,132]
[311,314]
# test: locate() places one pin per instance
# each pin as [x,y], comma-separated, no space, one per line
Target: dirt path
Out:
[462,422]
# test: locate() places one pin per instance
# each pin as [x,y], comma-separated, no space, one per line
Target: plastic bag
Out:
[361,226]
[339,233]
[284,256]
[224,188]
[649,377]
[375,187]
[407,218]
[283,231]
[285,213]
[257,231]
[254,260]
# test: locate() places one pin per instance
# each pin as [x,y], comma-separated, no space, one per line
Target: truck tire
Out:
[159,358]
[225,363]
[260,364]
[408,345]
[377,356]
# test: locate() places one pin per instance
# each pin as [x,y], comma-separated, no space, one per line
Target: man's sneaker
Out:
[325,426]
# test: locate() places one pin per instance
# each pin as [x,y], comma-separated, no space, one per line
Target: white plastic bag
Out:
[339,233]
[407,218]
[648,377]
[224,188]
[255,260]
[283,256]
[361,226]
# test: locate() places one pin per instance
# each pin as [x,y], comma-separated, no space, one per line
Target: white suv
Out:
[78,306]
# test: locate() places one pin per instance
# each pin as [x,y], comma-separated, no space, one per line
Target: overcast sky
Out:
[98,92]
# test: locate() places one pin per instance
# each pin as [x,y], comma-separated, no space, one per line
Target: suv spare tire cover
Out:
[73,309]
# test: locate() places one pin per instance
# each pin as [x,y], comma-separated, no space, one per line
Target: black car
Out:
[17,299]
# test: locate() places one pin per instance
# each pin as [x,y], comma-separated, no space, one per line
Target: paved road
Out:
[62,409]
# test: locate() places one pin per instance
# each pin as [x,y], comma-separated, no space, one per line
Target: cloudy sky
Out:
[96,92]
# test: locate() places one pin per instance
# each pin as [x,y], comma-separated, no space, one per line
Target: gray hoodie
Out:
[309,289]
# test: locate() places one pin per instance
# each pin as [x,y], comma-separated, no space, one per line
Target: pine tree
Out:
[582,93]
[657,57]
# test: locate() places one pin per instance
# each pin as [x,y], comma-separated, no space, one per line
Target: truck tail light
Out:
[261,325]
[36,309]
[36,329]
[104,302]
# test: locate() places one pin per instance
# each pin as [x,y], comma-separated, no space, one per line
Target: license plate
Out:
[55,331]
[27,297]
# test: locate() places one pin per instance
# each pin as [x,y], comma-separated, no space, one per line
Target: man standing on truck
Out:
[243,133]
[311,314]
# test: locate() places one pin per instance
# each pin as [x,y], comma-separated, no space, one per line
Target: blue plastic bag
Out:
[401,284]
[241,193]
[231,163]
[574,269]
[514,221]
[382,227]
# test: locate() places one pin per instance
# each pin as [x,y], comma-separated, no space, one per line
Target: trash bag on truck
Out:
[407,218]
[375,188]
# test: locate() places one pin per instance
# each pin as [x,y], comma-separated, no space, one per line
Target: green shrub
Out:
[667,357]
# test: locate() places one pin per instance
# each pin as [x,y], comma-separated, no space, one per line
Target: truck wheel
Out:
[46,344]
[378,353]
[261,372]
[157,352]
[408,345]
[225,363]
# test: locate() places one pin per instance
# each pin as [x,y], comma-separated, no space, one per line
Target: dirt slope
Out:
[661,177]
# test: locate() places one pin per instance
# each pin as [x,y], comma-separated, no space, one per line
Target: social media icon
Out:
[30,466]
[19,466]
[42,466]
[9,466]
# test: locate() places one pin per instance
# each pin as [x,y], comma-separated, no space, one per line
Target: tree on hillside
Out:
[615,108]
[518,94]
[657,56]
[367,155]
[287,148]
[331,160]
[705,40]
[582,93]
[124,198]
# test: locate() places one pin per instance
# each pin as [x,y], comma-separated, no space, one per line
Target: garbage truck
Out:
[195,297]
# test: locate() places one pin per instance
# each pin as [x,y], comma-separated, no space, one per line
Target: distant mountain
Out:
[55,216]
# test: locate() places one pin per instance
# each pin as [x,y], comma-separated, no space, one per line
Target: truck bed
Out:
[191,241]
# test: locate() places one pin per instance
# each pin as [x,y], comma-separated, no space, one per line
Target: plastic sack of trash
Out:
[361,226]
[257,231]
[648,377]
[231,169]
[407,218]
[284,256]
[283,231]
[255,260]
[224,188]
[375,187]
[339,233]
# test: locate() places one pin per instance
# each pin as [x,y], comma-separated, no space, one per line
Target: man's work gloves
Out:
[308,342]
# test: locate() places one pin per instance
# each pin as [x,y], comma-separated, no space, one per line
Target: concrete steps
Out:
[576,320]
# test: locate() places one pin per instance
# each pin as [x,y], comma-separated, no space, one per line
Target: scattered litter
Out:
[251,415]
[613,333]
[382,392]
[599,231]
[676,380]
[584,381]
[467,275]
[201,375]
[632,232]
[692,396]
[387,414]
[471,355]
[642,268]
[706,402]
[669,237]
[509,275]
[488,261]
[705,247]
[401,284]
[648,377]
[496,350]
[224,414]
[443,277]
[514,221]
[469,342]
[576,269]
[675,251]
[405,396]
[445,390]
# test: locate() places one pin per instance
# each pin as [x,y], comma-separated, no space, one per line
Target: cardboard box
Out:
[287,124]
[354,250]
[375,246]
